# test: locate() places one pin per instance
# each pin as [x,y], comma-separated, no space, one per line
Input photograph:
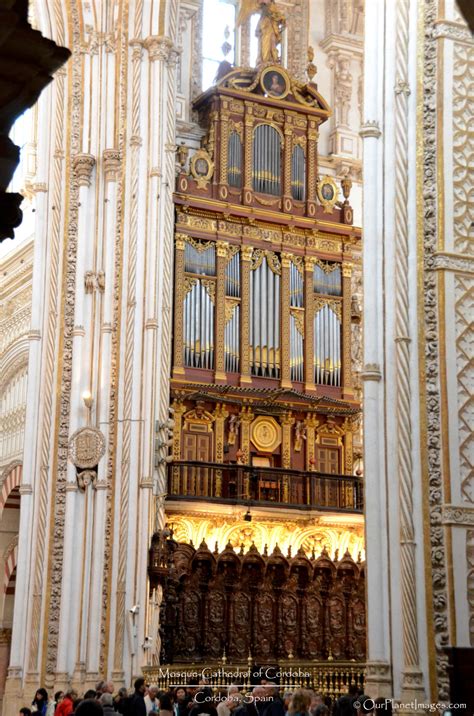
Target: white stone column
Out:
[378,681]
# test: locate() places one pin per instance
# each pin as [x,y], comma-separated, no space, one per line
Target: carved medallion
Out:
[202,168]
[327,193]
[86,447]
[265,433]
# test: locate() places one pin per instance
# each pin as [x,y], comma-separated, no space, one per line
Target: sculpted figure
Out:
[270,25]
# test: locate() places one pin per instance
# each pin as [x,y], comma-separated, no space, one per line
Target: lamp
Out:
[87,399]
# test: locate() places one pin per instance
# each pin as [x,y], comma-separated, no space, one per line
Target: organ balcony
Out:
[276,487]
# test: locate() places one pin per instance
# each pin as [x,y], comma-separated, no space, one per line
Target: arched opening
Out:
[9,529]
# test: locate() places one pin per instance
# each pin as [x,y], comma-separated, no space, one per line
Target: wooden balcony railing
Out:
[244,484]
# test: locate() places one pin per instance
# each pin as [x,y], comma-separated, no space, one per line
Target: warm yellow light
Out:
[309,534]
[87,399]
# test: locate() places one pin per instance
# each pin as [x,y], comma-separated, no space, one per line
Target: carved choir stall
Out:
[262,390]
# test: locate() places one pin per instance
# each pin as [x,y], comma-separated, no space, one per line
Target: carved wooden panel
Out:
[270,606]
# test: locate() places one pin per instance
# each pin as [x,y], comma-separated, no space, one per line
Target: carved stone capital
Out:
[112,163]
[83,165]
[370,128]
[371,372]
[161,48]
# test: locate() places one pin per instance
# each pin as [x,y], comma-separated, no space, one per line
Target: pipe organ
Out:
[262,389]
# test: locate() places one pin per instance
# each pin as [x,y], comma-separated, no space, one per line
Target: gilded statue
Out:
[269,27]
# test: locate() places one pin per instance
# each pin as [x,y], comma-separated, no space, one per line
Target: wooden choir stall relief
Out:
[270,606]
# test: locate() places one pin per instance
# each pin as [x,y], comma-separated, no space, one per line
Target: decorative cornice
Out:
[370,128]
[453,262]
[26,489]
[454,515]
[452,31]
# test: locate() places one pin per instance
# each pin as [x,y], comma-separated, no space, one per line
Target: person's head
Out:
[300,702]
[122,693]
[89,707]
[153,692]
[321,710]
[166,703]
[58,696]
[383,706]
[286,699]
[366,705]
[91,694]
[316,700]
[25,711]
[41,696]
[109,687]
[344,707]
[180,694]
[71,694]
[106,699]
[234,700]
[100,687]
[139,685]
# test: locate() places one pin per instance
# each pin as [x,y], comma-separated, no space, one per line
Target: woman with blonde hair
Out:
[300,703]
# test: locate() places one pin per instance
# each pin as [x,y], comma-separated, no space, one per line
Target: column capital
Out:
[82,165]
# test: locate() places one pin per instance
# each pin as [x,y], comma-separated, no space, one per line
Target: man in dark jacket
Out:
[137,705]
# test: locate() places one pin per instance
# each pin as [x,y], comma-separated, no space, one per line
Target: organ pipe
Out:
[200,258]
[234,171]
[296,287]
[296,351]
[298,172]
[327,278]
[198,317]
[232,276]
[232,341]
[265,320]
[266,161]
[327,347]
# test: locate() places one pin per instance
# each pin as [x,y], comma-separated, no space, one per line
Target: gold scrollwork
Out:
[210,287]
[200,246]
[230,306]
[333,304]
[188,284]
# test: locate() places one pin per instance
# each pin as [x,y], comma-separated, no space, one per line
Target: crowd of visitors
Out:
[198,699]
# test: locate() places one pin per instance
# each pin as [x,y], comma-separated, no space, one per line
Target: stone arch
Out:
[9,480]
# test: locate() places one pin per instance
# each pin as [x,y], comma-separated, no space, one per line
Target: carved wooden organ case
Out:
[262,297]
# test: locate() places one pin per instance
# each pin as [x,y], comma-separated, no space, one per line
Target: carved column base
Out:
[62,681]
[412,690]
[79,676]
[13,695]
[245,379]
[118,677]
[378,680]
[91,680]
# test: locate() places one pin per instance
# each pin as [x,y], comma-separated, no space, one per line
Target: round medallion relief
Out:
[265,433]
[86,447]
